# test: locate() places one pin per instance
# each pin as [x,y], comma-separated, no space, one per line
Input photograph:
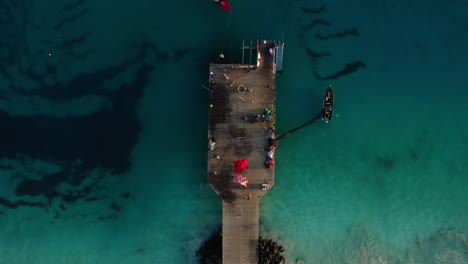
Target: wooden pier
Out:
[239,95]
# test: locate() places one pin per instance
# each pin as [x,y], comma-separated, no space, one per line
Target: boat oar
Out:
[283,136]
[229,19]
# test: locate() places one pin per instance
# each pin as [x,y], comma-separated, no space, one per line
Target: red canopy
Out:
[241,165]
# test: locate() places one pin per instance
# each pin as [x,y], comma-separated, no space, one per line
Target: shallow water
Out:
[104,126]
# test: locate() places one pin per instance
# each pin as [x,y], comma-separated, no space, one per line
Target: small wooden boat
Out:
[328,105]
[223,4]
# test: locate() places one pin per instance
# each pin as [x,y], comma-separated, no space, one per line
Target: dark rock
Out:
[211,251]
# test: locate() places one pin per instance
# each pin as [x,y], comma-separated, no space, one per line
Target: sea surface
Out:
[104,122]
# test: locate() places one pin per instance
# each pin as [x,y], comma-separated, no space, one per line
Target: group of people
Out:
[266,114]
[270,156]
[272,144]
[258,118]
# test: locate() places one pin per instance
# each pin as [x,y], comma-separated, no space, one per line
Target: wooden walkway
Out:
[238,91]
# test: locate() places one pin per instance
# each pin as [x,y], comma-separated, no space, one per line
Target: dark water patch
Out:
[31,74]
[7,76]
[17,175]
[85,137]
[126,195]
[315,55]
[48,185]
[68,46]
[73,42]
[314,11]
[107,217]
[71,19]
[13,205]
[4,98]
[83,84]
[93,199]
[7,167]
[348,32]
[162,57]
[82,54]
[39,52]
[413,154]
[73,5]
[13,26]
[116,207]
[374,184]
[145,44]
[103,139]
[349,68]
[311,25]
[386,163]
[62,206]
[45,186]
[73,196]
[56,214]
[182,53]
[6,16]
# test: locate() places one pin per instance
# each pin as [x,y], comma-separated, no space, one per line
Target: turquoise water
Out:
[104,130]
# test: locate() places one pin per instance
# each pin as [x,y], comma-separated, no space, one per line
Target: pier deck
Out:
[248,90]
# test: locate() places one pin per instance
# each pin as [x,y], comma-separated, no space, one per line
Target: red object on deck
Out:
[224,5]
[241,165]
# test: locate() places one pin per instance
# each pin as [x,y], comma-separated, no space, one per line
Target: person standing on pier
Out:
[211,144]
